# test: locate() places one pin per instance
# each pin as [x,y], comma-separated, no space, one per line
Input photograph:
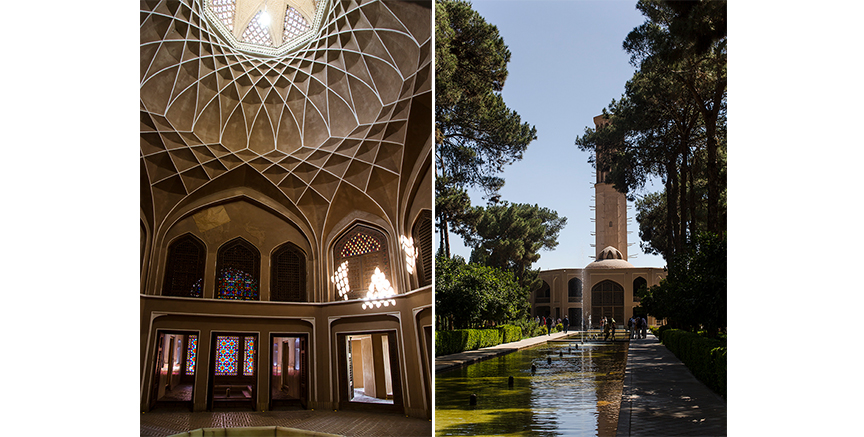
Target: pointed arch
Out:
[356,256]
[288,274]
[184,269]
[238,270]
[421,233]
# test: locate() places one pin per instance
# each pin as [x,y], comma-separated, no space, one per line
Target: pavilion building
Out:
[610,281]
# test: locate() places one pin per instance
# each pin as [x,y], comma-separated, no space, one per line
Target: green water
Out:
[578,394]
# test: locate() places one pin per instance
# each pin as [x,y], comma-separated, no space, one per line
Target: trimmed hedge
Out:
[459,340]
[705,357]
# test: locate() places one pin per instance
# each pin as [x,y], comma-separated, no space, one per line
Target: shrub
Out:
[451,342]
[510,333]
[706,358]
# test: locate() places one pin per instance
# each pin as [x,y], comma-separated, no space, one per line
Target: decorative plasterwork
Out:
[322,130]
[246,11]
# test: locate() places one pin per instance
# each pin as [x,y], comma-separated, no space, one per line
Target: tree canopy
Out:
[473,295]
[693,295]
[510,237]
[671,120]
[476,134]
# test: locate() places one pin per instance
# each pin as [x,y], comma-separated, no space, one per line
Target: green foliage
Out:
[510,236]
[451,342]
[476,134]
[670,122]
[510,333]
[474,295]
[530,328]
[706,358]
[694,292]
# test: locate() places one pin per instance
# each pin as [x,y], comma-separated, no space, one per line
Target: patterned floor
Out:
[165,422]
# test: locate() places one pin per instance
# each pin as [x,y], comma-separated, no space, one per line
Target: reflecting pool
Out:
[572,391]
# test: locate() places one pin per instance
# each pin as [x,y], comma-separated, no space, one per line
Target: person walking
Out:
[644,328]
[549,326]
[612,324]
[566,323]
[630,327]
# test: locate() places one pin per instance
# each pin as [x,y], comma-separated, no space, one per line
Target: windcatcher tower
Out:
[610,209]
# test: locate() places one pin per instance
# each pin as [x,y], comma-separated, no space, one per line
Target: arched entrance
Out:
[607,300]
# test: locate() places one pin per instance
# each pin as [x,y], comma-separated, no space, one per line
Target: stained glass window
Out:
[237,265]
[360,244]
[357,254]
[191,354]
[249,356]
[288,275]
[184,271]
[227,348]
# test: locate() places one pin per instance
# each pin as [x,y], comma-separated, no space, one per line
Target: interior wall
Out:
[222,223]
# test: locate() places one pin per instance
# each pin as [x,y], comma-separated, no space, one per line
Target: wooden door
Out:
[304,372]
[157,366]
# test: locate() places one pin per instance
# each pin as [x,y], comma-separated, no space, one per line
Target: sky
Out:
[71,142]
[566,65]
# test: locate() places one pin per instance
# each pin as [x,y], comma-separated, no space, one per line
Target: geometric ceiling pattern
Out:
[327,120]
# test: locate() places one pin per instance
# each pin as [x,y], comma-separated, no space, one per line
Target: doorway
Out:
[174,367]
[369,371]
[289,374]
[233,379]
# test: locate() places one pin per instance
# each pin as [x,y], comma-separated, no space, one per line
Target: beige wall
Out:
[320,322]
[559,278]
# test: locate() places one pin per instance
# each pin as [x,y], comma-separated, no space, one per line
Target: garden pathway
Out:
[662,397]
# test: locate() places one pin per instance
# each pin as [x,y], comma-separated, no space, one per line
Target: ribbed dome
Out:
[610,258]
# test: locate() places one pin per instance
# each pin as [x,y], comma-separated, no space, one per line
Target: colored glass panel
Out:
[191,354]
[234,283]
[227,349]
[360,244]
[249,356]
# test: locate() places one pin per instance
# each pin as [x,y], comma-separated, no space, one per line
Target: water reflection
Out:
[577,393]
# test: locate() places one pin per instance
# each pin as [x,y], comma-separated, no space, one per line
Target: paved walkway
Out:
[167,422]
[662,397]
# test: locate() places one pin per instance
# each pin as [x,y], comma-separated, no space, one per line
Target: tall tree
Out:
[687,42]
[510,237]
[477,135]
[693,295]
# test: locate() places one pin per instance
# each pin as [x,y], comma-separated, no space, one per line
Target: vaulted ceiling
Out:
[341,123]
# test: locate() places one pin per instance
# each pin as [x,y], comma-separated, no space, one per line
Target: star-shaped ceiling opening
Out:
[266,27]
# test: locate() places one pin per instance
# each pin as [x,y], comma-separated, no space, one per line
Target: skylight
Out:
[270,27]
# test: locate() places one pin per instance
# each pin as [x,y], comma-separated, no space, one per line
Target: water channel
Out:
[573,391]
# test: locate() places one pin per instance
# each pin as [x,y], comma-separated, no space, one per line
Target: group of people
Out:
[549,322]
[638,327]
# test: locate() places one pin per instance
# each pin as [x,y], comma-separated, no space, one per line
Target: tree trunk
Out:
[670,209]
[684,209]
[692,198]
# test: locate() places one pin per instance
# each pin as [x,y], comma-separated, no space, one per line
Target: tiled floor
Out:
[165,422]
